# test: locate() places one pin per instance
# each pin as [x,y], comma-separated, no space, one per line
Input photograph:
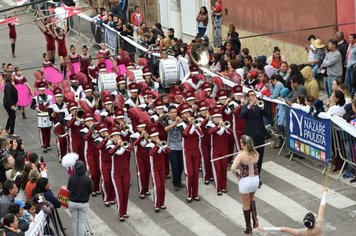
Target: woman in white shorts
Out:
[245,168]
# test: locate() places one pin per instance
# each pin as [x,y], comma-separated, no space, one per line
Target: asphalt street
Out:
[289,190]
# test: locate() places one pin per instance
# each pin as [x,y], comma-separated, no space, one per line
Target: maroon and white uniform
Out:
[191,157]
[219,147]
[158,166]
[120,175]
[84,63]
[78,92]
[41,103]
[205,146]
[142,163]
[91,101]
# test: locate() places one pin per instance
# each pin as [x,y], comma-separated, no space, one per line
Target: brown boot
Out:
[254,214]
[247,215]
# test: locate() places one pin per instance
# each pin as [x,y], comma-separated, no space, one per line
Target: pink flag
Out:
[26,98]
[109,65]
[12,20]
[74,67]
[52,75]
[122,68]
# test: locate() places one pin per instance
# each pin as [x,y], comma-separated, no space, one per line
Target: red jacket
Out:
[191,139]
[134,19]
[158,157]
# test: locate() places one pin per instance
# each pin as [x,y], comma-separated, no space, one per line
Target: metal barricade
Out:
[345,146]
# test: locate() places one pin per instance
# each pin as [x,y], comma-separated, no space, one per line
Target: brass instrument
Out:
[125,128]
[226,123]
[113,108]
[56,133]
[200,54]
[164,118]
[92,128]
[147,138]
[162,144]
[79,114]
[125,144]
[261,104]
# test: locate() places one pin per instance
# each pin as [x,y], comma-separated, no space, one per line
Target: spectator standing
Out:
[217,22]
[310,48]
[342,47]
[318,57]
[114,7]
[80,187]
[123,4]
[202,19]
[350,62]
[9,190]
[233,38]
[9,102]
[333,64]
[310,83]
[137,17]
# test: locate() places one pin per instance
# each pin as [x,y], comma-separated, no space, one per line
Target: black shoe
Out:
[147,193]
[176,188]
[197,199]
[44,150]
[93,194]
[126,216]
[156,209]
[206,182]
[142,196]
[353,180]
[163,207]
[260,184]
[168,176]
[224,190]
[219,193]
[24,116]
[49,148]
[122,219]
[107,204]
[189,199]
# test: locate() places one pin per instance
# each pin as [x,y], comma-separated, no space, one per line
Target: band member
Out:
[121,87]
[190,99]
[84,60]
[142,158]
[125,128]
[238,124]
[206,86]
[75,88]
[159,118]
[107,187]
[255,128]
[191,153]
[62,48]
[174,138]
[20,79]
[57,113]
[73,57]
[89,97]
[12,35]
[41,103]
[245,168]
[135,100]
[157,160]
[74,125]
[205,145]
[195,80]
[108,109]
[91,153]
[220,132]
[92,72]
[120,152]
[148,77]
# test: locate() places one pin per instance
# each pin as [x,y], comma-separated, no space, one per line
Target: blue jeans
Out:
[176,159]
[115,10]
[328,83]
[348,80]
[201,31]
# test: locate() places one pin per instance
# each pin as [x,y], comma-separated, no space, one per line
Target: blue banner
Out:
[308,136]
[111,39]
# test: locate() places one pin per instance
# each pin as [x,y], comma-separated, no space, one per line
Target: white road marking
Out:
[98,227]
[140,222]
[333,198]
[228,206]
[188,216]
[10,2]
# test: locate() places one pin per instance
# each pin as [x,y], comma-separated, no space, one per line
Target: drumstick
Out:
[327,176]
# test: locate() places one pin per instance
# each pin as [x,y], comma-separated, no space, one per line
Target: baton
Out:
[263,145]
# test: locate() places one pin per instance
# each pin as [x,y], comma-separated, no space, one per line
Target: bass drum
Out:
[138,75]
[183,64]
[107,82]
[168,72]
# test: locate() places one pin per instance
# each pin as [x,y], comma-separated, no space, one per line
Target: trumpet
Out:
[125,128]
[113,108]
[164,118]
[79,114]
[261,104]
[147,138]
[92,128]
[162,144]
[226,123]
[125,144]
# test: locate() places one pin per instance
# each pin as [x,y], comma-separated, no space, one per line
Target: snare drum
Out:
[168,72]
[107,82]
[43,120]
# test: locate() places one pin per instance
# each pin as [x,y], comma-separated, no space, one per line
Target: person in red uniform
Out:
[142,158]
[158,156]
[74,125]
[89,98]
[220,134]
[20,79]
[50,39]
[41,104]
[62,48]
[205,145]
[238,123]
[73,57]
[84,60]
[191,153]
[91,153]
[120,152]
[159,118]
[125,128]
[57,113]
[12,36]
[107,188]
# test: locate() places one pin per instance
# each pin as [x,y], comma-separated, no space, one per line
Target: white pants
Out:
[79,217]
[249,184]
